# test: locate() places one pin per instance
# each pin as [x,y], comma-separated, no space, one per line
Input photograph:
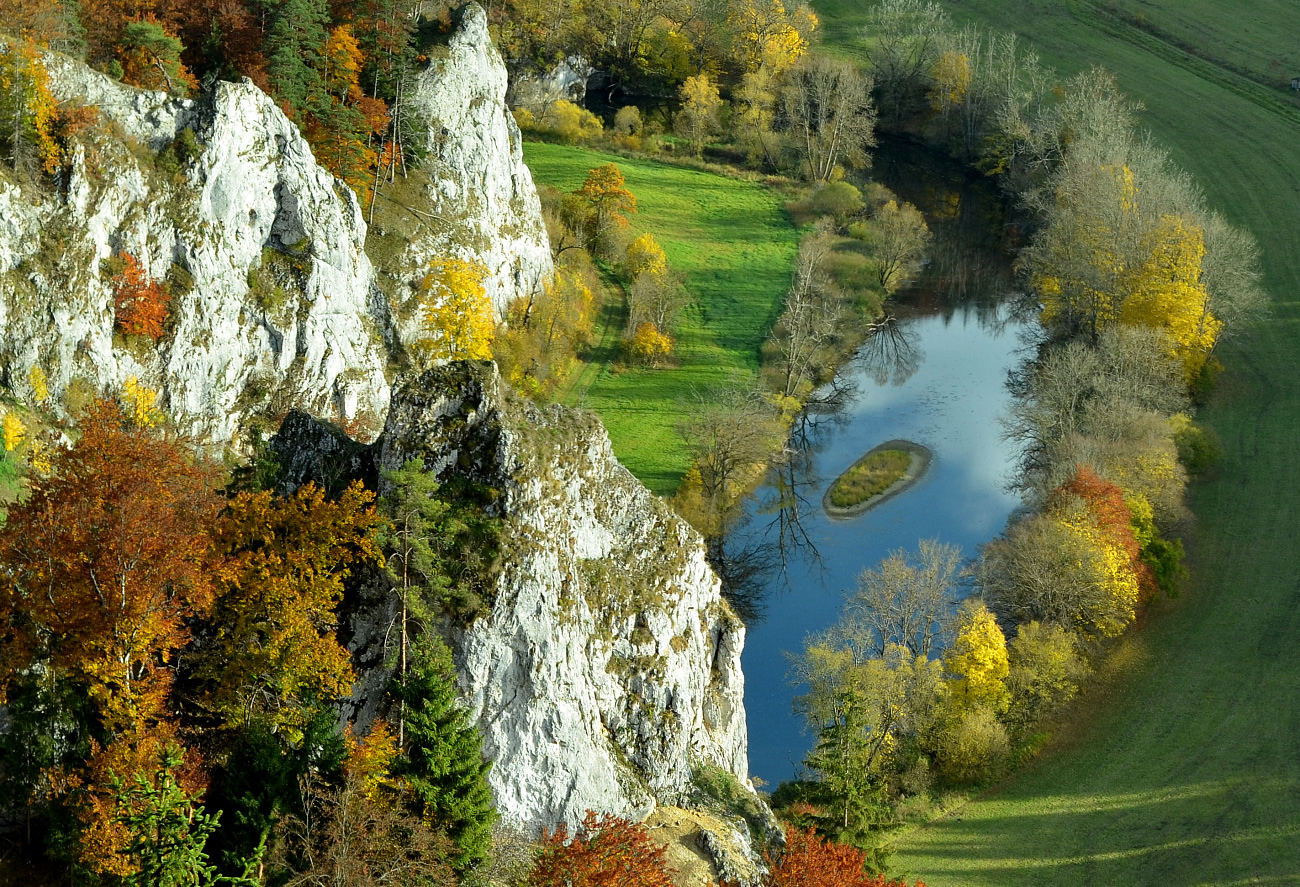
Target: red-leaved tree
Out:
[1105,502]
[140,303]
[809,860]
[606,851]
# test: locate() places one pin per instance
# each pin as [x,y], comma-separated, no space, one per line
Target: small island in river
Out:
[882,473]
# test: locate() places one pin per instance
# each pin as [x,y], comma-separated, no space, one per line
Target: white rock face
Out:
[609,664]
[252,206]
[482,202]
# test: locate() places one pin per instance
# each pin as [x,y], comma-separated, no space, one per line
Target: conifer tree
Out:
[293,44]
[442,764]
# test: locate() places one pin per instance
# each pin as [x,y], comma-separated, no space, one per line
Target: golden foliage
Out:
[952,79]
[978,660]
[27,107]
[274,641]
[457,311]
[37,381]
[12,431]
[769,36]
[138,404]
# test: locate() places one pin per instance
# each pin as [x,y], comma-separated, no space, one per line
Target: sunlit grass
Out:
[734,243]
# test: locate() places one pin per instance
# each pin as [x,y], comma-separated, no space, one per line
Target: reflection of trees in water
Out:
[889,356]
[758,554]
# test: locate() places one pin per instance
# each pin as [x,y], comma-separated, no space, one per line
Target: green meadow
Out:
[734,244]
[1182,766]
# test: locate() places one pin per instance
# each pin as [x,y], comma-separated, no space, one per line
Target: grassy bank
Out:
[1183,768]
[735,245]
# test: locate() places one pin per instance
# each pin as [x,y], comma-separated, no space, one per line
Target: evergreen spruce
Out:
[292,48]
[443,764]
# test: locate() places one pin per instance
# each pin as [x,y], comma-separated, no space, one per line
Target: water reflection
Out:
[935,373]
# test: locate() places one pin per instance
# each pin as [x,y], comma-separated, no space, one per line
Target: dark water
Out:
[936,377]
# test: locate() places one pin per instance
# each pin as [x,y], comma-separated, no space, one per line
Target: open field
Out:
[1184,768]
[735,245]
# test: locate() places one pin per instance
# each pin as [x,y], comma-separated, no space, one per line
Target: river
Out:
[936,376]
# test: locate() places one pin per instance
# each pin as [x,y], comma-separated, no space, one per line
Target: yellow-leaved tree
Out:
[952,79]
[457,311]
[977,660]
[768,35]
[1165,292]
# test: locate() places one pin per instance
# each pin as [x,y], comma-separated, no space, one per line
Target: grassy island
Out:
[884,471]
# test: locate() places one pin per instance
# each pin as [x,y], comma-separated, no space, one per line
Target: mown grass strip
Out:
[735,245]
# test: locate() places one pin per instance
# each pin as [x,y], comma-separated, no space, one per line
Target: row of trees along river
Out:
[936,375]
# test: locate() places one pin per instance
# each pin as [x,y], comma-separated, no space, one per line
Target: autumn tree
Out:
[1045,669]
[458,314]
[140,302]
[272,649]
[864,711]
[606,203]
[604,851]
[125,508]
[826,105]
[441,766]
[769,34]
[545,329]
[27,109]
[977,659]
[697,119]
[150,58]
[810,860]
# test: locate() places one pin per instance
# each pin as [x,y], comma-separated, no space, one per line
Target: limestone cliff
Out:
[276,304]
[480,202]
[263,250]
[609,664]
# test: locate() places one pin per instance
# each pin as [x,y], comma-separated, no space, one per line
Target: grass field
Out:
[1184,769]
[735,245]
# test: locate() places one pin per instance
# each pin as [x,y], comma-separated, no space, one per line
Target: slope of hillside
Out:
[1181,770]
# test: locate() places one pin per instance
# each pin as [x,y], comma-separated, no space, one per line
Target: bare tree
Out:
[828,111]
[906,600]
[903,40]
[809,319]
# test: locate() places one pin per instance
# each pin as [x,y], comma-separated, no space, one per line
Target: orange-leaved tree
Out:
[606,851]
[273,648]
[104,566]
[607,202]
[139,302]
[809,860]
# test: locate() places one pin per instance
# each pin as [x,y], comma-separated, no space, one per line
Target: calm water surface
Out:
[938,378]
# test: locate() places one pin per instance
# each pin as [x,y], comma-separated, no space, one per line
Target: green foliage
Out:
[168,830]
[442,763]
[734,246]
[1199,448]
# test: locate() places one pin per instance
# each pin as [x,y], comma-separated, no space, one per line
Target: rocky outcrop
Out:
[567,81]
[273,303]
[608,667]
[482,204]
